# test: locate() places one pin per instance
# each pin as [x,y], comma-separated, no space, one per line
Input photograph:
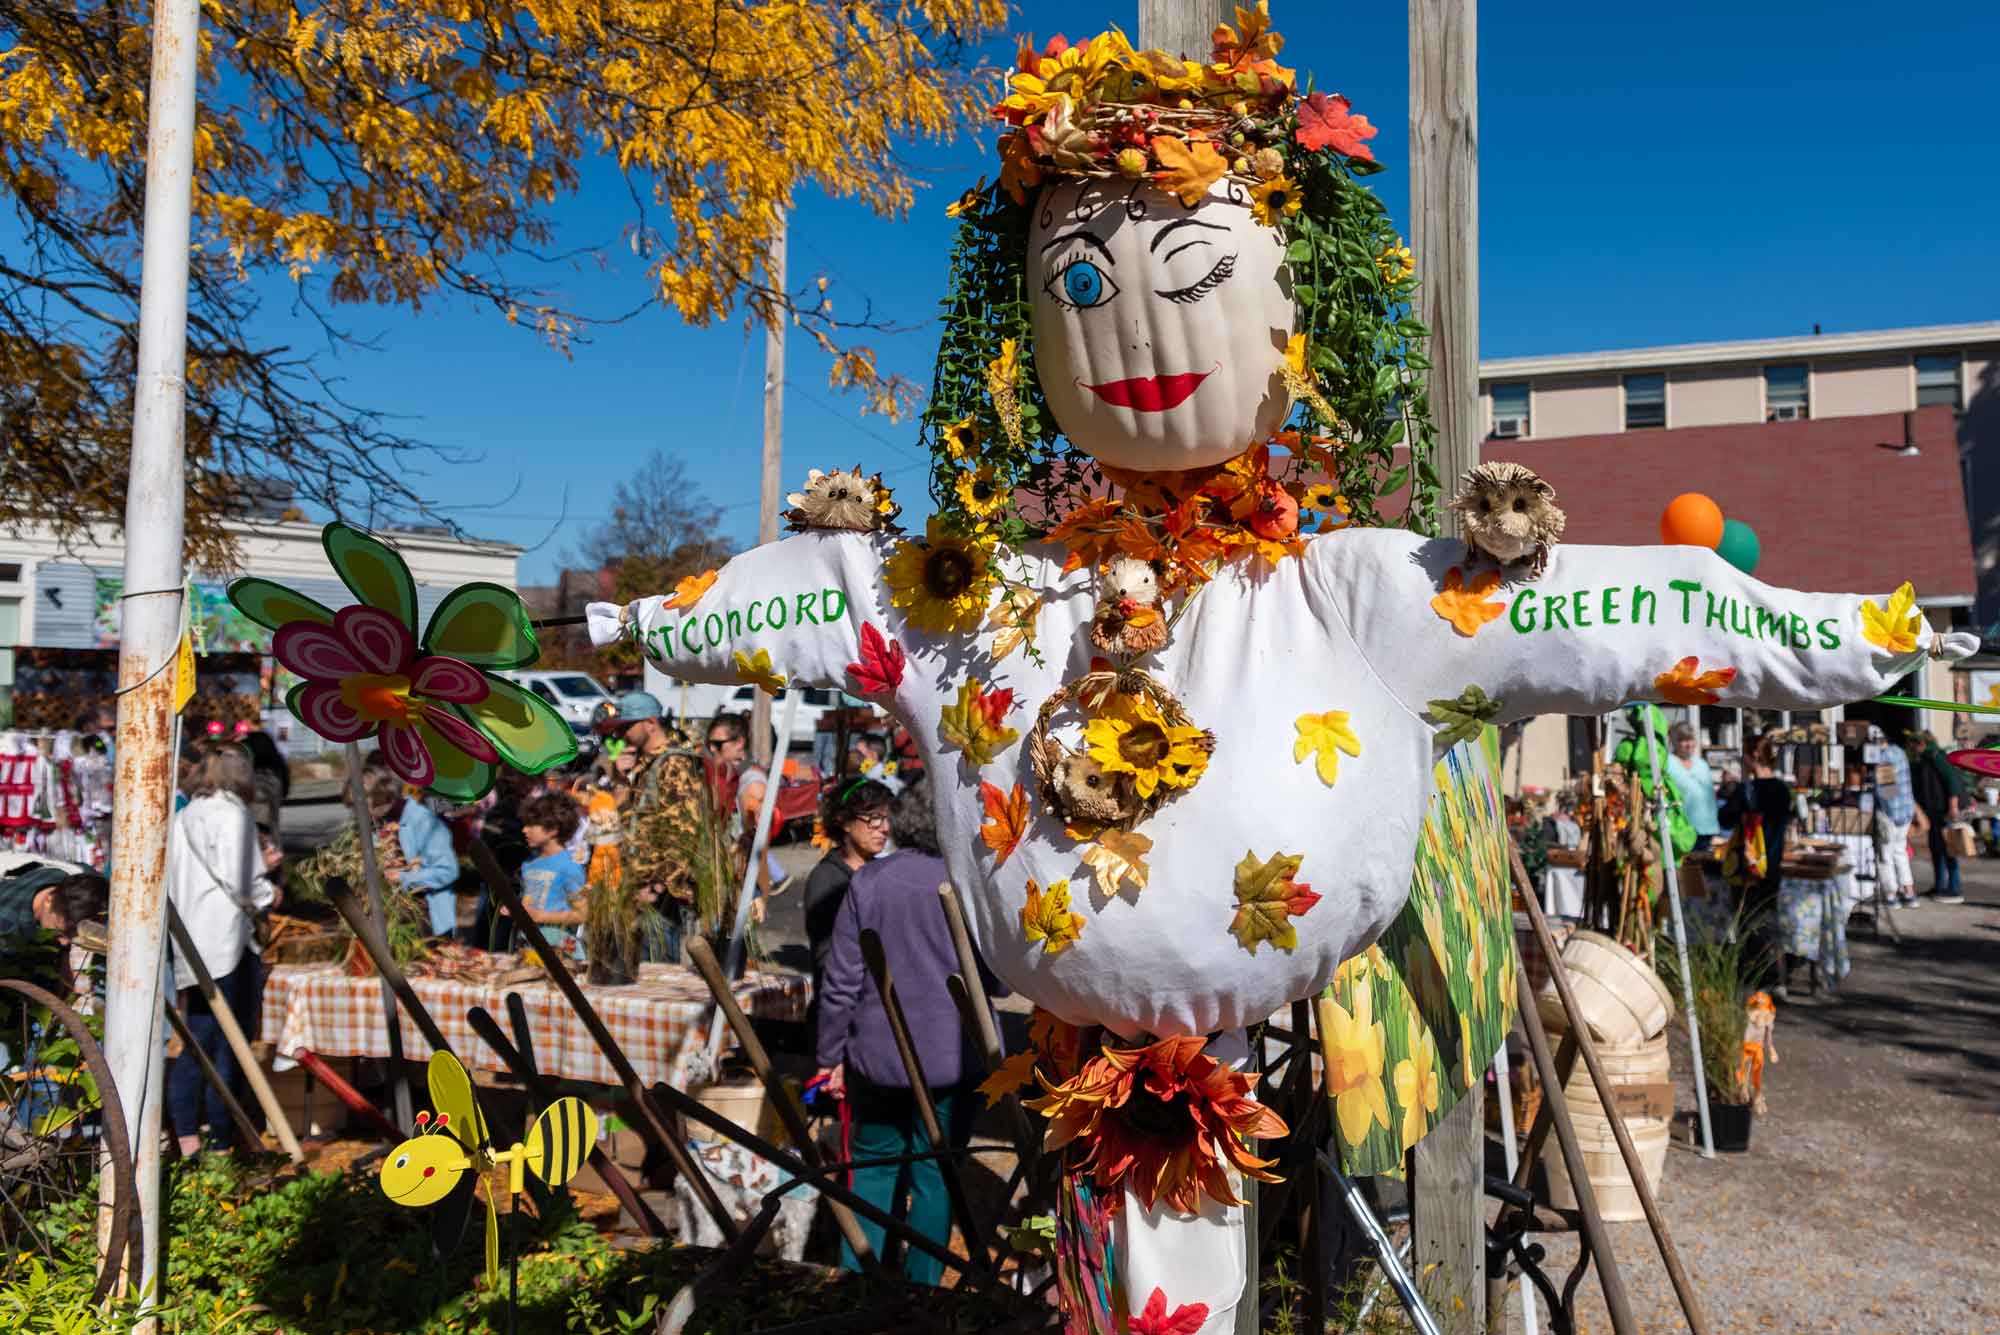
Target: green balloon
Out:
[1739,546]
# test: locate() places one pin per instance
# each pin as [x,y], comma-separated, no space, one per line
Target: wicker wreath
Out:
[1056,766]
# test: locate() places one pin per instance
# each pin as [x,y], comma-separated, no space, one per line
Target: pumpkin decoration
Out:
[1161,328]
[842,499]
[1129,618]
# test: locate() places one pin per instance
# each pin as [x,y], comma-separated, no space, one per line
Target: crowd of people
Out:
[1745,819]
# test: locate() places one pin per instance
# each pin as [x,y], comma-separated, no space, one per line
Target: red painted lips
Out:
[1152,393]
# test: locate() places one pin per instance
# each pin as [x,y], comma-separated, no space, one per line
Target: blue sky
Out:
[1698,172]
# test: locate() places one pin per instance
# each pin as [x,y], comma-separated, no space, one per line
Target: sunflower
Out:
[960,439]
[981,492]
[1132,737]
[1275,200]
[1324,496]
[1168,1119]
[944,581]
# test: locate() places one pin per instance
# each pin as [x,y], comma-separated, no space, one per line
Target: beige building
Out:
[1813,439]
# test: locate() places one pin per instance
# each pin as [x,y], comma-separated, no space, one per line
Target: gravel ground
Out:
[1869,1201]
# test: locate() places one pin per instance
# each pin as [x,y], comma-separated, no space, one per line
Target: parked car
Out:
[695,703]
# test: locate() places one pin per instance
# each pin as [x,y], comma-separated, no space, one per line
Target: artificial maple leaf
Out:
[688,591]
[1006,819]
[1186,1318]
[1893,629]
[1267,899]
[1010,1075]
[1466,608]
[1461,719]
[880,670]
[1119,856]
[972,723]
[1013,622]
[1046,917]
[1187,170]
[1686,684]
[1328,122]
[757,671]
[1325,735]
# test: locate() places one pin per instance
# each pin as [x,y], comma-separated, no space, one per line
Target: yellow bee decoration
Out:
[453,1150]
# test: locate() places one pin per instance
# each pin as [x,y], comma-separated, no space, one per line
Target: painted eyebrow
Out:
[1085,235]
[1164,232]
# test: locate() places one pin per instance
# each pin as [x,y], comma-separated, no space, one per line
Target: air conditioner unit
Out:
[1788,412]
[1509,427]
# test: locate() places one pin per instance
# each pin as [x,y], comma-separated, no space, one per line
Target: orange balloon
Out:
[1691,520]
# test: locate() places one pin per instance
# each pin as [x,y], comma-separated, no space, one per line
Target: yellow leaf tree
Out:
[398,153]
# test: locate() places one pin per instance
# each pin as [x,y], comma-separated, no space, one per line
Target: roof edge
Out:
[1744,350]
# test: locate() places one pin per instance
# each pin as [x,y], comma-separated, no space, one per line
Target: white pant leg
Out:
[1892,863]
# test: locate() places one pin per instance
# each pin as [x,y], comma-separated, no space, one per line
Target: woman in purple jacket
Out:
[896,898]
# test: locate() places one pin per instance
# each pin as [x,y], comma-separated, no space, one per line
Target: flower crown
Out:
[1101,109]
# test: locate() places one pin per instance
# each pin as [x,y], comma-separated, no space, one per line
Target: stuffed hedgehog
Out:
[842,499]
[1129,619]
[1509,514]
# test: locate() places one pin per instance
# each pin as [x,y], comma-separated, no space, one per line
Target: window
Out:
[1786,393]
[1510,410]
[579,688]
[1645,401]
[1938,379]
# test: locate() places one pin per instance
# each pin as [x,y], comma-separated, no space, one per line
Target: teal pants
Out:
[885,1125]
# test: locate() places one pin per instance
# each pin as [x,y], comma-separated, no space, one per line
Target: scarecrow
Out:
[1178,334]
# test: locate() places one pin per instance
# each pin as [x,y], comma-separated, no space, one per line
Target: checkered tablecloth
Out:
[659,1020]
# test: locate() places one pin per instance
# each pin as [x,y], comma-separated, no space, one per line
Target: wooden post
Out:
[1186,28]
[1444,209]
[772,486]
[1448,1219]
[364,836]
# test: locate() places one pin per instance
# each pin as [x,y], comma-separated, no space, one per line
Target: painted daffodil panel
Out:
[1440,981]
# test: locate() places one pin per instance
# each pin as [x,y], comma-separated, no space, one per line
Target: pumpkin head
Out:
[1159,329]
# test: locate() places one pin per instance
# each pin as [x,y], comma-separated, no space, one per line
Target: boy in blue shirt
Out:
[552,882]
[429,867]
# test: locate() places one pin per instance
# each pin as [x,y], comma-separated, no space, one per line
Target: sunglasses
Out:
[717,743]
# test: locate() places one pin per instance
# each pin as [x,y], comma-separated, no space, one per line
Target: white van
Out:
[697,702]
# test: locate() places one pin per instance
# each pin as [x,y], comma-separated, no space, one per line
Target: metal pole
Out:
[1512,1152]
[155,513]
[771,486]
[1670,874]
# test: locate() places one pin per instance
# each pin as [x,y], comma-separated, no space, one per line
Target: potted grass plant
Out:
[1717,967]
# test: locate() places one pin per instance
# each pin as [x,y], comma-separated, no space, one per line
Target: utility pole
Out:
[772,488]
[149,622]
[1448,1165]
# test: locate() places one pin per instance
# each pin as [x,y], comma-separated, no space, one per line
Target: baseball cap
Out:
[630,708]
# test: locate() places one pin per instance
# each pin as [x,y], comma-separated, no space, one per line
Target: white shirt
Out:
[214,867]
[1350,626]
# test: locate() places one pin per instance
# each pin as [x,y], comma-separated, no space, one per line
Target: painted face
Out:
[423,1170]
[1159,329]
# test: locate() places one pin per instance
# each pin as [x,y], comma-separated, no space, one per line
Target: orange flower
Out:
[1466,608]
[1167,1118]
[1686,684]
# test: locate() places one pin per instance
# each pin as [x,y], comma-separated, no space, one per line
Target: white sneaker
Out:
[1910,902]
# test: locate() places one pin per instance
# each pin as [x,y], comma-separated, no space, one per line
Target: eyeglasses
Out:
[717,743]
[873,819]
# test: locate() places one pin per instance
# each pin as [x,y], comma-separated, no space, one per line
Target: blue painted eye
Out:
[1083,284]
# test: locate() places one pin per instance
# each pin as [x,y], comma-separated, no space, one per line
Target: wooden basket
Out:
[1622,999]
[1045,753]
[1617,1199]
